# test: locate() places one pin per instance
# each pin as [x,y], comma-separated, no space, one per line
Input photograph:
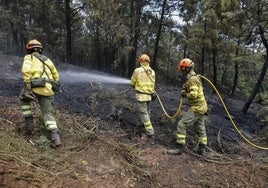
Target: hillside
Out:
[102,144]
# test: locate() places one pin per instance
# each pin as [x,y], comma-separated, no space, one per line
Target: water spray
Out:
[78,76]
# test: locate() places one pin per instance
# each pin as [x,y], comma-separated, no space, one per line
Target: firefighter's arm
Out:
[190,91]
[193,92]
[183,93]
[133,79]
[26,69]
[53,69]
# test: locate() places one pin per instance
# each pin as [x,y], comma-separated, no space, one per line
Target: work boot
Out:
[201,149]
[28,125]
[55,137]
[150,133]
[177,151]
[146,136]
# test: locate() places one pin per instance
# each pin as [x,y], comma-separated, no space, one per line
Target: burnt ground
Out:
[102,144]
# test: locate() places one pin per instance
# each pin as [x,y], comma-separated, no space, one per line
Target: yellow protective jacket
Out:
[143,80]
[195,94]
[33,68]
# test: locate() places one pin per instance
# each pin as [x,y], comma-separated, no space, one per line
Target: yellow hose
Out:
[164,110]
[224,106]
[230,117]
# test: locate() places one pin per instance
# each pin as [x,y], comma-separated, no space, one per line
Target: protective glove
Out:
[27,88]
[56,85]
[184,87]
[154,96]
[183,93]
[27,93]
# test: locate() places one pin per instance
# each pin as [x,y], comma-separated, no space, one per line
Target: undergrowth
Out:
[80,134]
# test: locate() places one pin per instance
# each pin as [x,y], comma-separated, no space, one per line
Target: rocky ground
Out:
[102,144]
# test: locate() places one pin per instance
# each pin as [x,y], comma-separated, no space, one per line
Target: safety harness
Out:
[43,58]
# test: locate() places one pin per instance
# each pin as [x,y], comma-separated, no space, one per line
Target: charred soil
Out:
[103,147]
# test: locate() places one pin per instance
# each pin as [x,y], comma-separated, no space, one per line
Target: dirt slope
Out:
[102,145]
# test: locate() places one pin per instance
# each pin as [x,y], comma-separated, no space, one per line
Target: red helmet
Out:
[185,65]
[144,58]
[34,44]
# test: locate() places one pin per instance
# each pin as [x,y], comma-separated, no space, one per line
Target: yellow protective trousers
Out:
[144,112]
[46,108]
[191,119]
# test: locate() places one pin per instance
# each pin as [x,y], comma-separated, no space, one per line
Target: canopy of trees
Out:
[227,39]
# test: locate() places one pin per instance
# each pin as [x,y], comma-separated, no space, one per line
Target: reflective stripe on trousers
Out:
[50,125]
[203,140]
[47,109]
[180,139]
[26,109]
[148,127]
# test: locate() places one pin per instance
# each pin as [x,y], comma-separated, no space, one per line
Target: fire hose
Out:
[224,106]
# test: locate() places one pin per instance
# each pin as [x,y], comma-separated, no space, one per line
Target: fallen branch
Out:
[122,92]
[219,141]
[5,120]
[27,163]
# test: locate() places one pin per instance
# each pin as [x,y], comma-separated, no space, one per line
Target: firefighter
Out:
[39,75]
[143,80]
[195,116]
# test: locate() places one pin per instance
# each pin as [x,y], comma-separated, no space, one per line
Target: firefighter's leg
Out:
[28,115]
[145,117]
[49,120]
[202,135]
[187,120]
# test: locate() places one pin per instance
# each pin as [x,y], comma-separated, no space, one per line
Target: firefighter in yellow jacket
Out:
[39,75]
[143,80]
[193,91]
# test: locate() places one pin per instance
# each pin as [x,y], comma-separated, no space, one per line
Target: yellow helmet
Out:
[185,65]
[32,44]
[144,58]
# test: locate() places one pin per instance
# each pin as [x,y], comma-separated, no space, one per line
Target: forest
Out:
[227,39]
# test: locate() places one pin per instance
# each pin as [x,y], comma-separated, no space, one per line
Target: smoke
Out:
[70,76]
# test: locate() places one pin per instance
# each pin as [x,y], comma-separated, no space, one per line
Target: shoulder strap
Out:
[43,58]
[148,74]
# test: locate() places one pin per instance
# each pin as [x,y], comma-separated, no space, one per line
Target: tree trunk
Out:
[236,72]
[135,12]
[97,51]
[235,79]
[154,65]
[256,88]
[262,75]
[68,32]
[168,59]
[203,50]
[215,70]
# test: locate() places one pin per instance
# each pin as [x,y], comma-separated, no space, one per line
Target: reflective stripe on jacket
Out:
[195,94]
[143,80]
[33,68]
